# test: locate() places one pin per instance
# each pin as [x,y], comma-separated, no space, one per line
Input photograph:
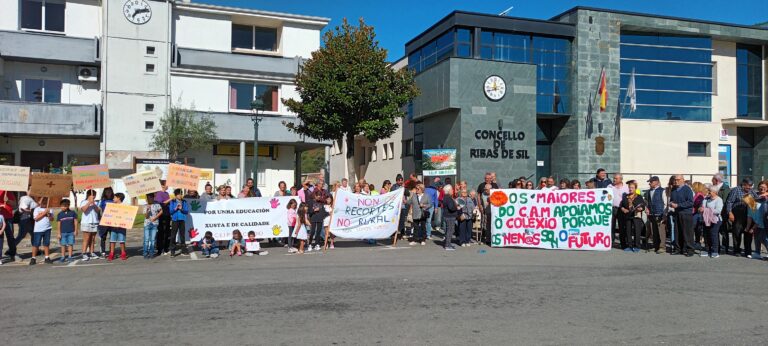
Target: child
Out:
[252,245]
[152,213]
[236,244]
[327,221]
[42,232]
[291,225]
[67,230]
[117,235]
[208,246]
[302,225]
[89,224]
[107,196]
[179,209]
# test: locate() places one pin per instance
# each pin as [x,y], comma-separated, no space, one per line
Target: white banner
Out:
[267,216]
[366,217]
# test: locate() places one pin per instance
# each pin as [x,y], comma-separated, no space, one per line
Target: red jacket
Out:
[7,209]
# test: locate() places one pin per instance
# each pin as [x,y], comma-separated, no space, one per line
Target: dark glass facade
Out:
[749,90]
[673,76]
[454,42]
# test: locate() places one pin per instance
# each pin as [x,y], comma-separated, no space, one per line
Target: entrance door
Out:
[42,161]
[746,155]
[543,156]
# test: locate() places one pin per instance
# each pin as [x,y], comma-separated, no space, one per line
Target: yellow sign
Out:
[141,183]
[14,178]
[233,149]
[119,215]
[183,177]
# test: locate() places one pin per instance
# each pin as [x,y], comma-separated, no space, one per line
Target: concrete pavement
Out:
[359,294]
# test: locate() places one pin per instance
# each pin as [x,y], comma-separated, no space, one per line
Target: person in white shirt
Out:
[89,224]
[619,189]
[27,206]
[42,233]
[345,185]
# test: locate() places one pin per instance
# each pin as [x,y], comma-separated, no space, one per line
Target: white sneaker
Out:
[263,253]
[249,254]
[317,247]
[103,255]
[704,254]
[94,256]
[215,255]
[309,248]
[423,243]
[85,257]
[412,243]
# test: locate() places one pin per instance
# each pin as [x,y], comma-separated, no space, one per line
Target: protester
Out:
[737,215]
[179,211]
[303,225]
[488,179]
[682,202]
[222,193]
[117,234]
[345,185]
[632,207]
[228,192]
[601,179]
[152,213]
[755,225]
[27,206]
[236,244]
[282,189]
[450,212]
[164,226]
[208,246]
[420,204]
[618,222]
[590,184]
[431,192]
[711,211]
[107,196]
[564,184]
[208,195]
[700,191]
[253,191]
[67,220]
[191,194]
[245,192]
[529,185]
[316,217]
[291,224]
[465,217]
[7,205]
[655,198]
[328,207]
[41,234]
[252,246]
[575,184]
[386,187]
[671,219]
[89,224]
[719,182]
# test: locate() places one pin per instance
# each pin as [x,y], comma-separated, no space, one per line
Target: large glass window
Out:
[454,42]
[254,38]
[43,15]
[241,95]
[749,90]
[551,56]
[673,76]
[47,91]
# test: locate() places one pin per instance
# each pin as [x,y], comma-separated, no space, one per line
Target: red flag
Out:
[603,91]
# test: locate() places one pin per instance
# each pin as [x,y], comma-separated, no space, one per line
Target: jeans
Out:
[25,227]
[150,239]
[290,236]
[698,227]
[428,223]
[760,239]
[712,238]
[465,231]
[659,233]
[316,236]
[210,251]
[685,230]
[671,230]
[178,228]
[618,224]
[450,224]
[9,236]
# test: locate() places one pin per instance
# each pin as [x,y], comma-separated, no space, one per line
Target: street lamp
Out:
[257,108]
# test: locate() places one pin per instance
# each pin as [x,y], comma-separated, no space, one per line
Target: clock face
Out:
[495,88]
[137,11]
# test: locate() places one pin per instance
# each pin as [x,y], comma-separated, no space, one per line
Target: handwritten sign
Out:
[183,177]
[141,183]
[559,219]
[119,215]
[266,216]
[366,217]
[90,177]
[14,178]
[50,185]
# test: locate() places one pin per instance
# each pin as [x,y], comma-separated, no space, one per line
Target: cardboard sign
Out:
[141,183]
[183,177]
[546,219]
[90,177]
[51,185]
[119,215]
[14,178]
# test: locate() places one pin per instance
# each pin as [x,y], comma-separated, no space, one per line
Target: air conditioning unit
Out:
[88,74]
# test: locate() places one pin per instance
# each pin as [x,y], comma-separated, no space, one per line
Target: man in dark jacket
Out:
[737,215]
[656,197]
[450,212]
[682,202]
[601,179]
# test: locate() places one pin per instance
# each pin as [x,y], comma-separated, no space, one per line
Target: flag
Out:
[617,121]
[603,91]
[556,102]
[632,93]
[589,129]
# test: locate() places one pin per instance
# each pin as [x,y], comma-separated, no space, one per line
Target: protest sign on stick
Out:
[14,178]
[90,177]
[119,215]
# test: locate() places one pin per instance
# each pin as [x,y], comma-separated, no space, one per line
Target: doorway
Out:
[42,161]
[746,152]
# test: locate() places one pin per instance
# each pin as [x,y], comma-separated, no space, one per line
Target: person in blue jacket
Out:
[681,201]
[179,210]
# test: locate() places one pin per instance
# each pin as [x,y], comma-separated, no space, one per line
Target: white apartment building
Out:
[90,80]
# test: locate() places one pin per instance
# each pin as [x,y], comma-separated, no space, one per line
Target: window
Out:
[149,107]
[454,42]
[749,91]
[254,37]
[45,15]
[699,149]
[372,153]
[673,76]
[407,148]
[46,91]
[150,68]
[150,50]
[418,140]
[241,95]
[148,125]
[391,150]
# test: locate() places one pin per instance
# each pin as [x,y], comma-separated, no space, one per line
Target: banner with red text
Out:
[558,219]
[366,217]
[265,216]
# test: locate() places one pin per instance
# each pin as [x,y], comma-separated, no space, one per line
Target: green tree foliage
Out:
[347,88]
[181,130]
[312,160]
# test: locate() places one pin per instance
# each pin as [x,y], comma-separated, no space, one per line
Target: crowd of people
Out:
[682,217]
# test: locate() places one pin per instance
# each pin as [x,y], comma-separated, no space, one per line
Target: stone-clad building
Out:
[513,95]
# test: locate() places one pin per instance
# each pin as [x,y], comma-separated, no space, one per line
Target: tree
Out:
[312,161]
[347,88]
[181,130]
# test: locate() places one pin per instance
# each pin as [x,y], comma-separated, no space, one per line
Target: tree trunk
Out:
[351,169]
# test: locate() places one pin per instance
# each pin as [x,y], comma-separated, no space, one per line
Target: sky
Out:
[397,21]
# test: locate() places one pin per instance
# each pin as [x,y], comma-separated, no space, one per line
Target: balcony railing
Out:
[32,46]
[50,119]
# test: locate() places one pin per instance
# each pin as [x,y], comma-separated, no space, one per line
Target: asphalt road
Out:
[361,294]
